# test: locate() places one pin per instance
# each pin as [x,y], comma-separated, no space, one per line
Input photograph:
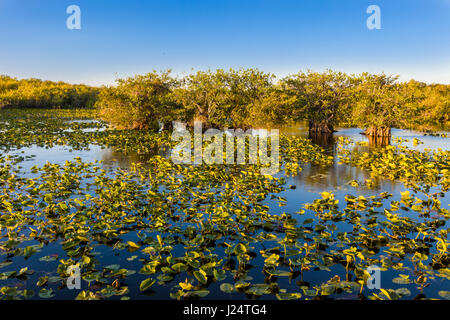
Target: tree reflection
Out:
[324,140]
[112,157]
[378,142]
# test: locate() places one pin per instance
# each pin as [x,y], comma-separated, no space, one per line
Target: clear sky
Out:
[123,38]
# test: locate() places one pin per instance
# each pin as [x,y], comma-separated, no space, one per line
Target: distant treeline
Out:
[247,98]
[35,93]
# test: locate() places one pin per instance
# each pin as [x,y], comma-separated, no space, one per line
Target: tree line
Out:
[249,97]
[246,98]
[36,93]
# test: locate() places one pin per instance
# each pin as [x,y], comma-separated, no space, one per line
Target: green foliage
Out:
[426,104]
[319,97]
[247,98]
[139,102]
[377,100]
[235,98]
[366,100]
[381,101]
[35,93]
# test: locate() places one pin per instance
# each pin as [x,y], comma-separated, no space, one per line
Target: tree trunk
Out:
[320,127]
[147,125]
[378,131]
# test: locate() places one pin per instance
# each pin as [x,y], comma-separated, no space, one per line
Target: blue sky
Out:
[123,38]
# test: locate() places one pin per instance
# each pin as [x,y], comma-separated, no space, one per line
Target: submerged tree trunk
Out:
[378,132]
[320,127]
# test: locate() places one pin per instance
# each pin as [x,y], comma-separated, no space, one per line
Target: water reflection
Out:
[311,179]
[326,140]
[378,142]
[111,157]
[335,178]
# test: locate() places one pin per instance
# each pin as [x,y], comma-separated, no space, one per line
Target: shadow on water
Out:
[111,157]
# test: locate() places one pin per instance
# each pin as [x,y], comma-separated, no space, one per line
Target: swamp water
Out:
[246,237]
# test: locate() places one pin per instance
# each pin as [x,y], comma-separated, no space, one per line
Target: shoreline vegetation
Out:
[247,98]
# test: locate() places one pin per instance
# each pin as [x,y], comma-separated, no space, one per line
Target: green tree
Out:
[202,96]
[140,102]
[377,103]
[320,98]
[252,99]
[234,98]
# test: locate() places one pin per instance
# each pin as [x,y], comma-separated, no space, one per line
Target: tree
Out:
[140,102]
[252,98]
[234,98]
[202,96]
[434,106]
[377,103]
[319,98]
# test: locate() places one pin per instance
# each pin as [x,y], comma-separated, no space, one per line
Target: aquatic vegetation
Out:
[420,170]
[175,231]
